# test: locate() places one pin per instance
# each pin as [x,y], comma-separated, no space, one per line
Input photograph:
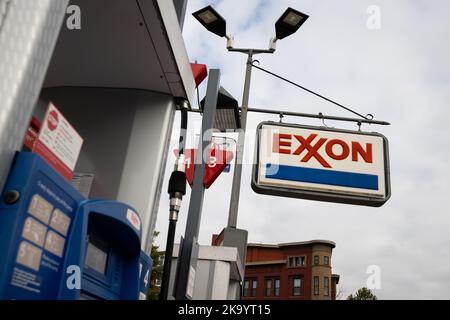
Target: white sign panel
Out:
[58,142]
[322,164]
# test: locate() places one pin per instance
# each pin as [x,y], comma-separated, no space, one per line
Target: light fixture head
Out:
[211,20]
[227,112]
[289,22]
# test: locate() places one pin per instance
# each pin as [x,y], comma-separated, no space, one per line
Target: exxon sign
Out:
[322,164]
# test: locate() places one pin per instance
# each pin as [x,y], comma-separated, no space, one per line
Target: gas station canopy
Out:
[123,44]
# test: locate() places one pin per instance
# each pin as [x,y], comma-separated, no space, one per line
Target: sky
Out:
[396,68]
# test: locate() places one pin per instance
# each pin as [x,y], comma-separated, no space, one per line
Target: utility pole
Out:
[236,188]
[232,236]
[289,22]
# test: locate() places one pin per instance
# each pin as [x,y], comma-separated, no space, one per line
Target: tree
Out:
[363,294]
[157,270]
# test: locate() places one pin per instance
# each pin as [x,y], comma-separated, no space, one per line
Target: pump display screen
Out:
[97,255]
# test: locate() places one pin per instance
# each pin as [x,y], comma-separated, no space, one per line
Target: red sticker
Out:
[52,120]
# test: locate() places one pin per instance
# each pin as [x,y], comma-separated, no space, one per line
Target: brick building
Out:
[288,271]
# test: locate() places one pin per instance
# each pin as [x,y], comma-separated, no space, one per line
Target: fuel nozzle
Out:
[177,188]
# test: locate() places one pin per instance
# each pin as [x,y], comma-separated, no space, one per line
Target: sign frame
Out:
[320,195]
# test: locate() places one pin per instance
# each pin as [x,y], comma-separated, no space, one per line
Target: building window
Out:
[291,262]
[268,287]
[326,286]
[295,262]
[326,260]
[246,284]
[316,260]
[316,285]
[254,286]
[277,288]
[296,288]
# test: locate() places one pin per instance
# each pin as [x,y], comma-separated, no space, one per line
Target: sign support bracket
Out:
[311,115]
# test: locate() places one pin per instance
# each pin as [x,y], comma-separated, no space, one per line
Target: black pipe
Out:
[167,260]
[183,130]
[176,190]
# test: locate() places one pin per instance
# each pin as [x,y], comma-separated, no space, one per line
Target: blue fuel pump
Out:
[56,244]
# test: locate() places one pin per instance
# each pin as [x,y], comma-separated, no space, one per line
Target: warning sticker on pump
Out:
[134,219]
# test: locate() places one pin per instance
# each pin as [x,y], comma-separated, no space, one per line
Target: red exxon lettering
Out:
[281,140]
[282,144]
[312,149]
[367,154]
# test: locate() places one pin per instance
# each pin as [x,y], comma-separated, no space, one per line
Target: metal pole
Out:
[188,259]
[236,188]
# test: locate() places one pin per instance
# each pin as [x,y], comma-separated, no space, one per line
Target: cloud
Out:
[399,73]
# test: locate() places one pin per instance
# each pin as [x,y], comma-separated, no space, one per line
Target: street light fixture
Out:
[290,21]
[211,20]
[227,112]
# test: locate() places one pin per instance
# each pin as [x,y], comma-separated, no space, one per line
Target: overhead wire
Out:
[311,91]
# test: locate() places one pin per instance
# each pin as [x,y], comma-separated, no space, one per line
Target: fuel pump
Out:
[56,244]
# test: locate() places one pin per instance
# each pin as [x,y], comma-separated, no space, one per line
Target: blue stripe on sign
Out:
[321,176]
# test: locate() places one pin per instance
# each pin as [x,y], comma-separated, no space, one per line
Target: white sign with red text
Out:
[322,164]
[58,142]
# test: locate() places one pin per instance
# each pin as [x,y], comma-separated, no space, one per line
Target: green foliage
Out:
[363,294]
[157,270]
